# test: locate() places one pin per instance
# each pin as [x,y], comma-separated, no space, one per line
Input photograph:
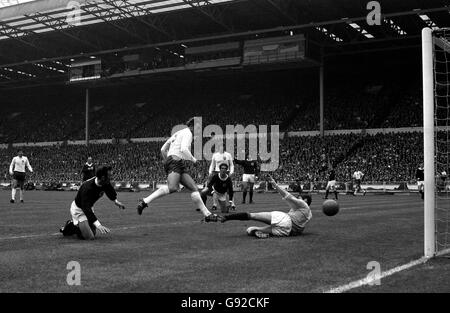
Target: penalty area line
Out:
[373,278]
[112,229]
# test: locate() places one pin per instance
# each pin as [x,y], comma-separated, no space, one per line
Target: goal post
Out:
[428,136]
[436,118]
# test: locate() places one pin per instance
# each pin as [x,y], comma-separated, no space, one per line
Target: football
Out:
[330,207]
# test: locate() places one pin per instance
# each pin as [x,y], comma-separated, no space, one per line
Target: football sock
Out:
[70,229]
[161,192]
[326,193]
[243,216]
[251,195]
[244,195]
[13,193]
[21,194]
[196,198]
[204,197]
[336,194]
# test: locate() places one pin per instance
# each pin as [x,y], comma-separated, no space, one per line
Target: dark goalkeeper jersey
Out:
[331,175]
[221,185]
[89,193]
[419,174]
[250,167]
[88,171]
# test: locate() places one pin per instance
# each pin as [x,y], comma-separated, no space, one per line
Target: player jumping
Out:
[17,170]
[84,223]
[220,184]
[279,224]
[174,152]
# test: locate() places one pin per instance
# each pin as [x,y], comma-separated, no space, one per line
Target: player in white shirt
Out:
[358,176]
[175,151]
[279,224]
[218,158]
[17,170]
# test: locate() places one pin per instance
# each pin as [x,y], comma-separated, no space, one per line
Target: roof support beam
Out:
[213,12]
[149,19]
[109,16]
[59,24]
[283,11]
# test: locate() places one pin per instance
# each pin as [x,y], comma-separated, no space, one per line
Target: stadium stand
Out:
[382,157]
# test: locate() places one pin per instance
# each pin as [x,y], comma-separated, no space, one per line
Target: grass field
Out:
[167,249]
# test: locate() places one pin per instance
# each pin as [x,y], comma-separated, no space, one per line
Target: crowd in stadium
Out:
[382,157]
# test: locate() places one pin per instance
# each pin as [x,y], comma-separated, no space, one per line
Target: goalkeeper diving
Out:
[279,224]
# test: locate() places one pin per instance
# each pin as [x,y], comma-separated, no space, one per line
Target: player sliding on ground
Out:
[219,185]
[84,223]
[174,152]
[280,224]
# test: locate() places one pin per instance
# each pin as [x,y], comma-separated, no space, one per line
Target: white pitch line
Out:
[370,279]
[112,229]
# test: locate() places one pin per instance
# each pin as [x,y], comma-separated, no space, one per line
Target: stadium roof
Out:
[39,38]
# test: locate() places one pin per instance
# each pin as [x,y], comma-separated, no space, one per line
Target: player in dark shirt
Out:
[88,170]
[251,173]
[331,184]
[220,184]
[420,180]
[84,223]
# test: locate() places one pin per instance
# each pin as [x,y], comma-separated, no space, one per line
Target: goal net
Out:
[436,91]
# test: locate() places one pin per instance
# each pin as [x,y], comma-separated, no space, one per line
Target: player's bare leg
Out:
[173,182]
[244,192]
[187,181]
[21,194]
[14,186]
[327,190]
[86,231]
[13,194]
[250,187]
[422,194]
[215,203]
[223,206]
[335,193]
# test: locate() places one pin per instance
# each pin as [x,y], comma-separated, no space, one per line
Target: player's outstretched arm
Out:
[282,192]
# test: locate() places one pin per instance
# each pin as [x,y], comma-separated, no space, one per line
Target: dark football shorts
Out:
[19,179]
[176,166]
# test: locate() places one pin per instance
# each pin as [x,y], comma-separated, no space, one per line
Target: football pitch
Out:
[168,249]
